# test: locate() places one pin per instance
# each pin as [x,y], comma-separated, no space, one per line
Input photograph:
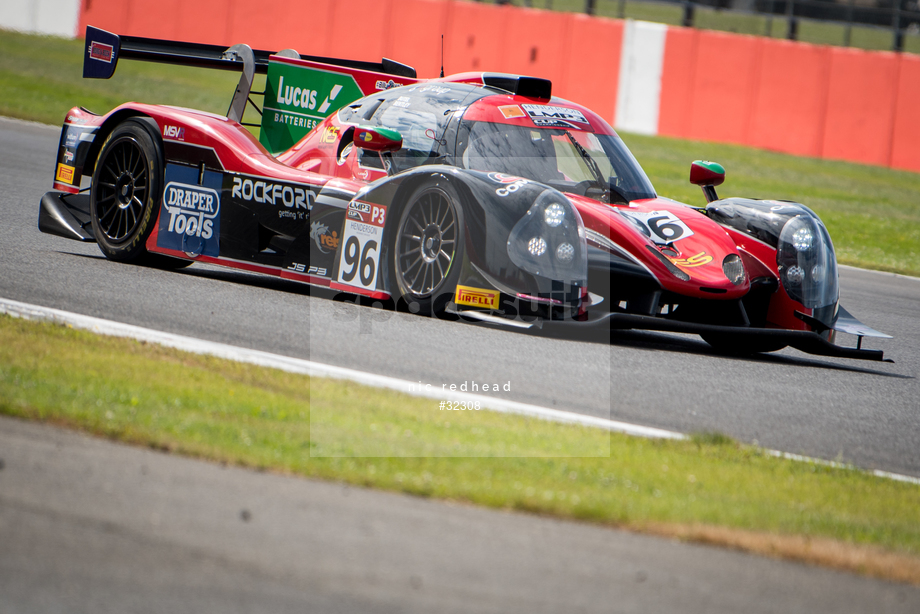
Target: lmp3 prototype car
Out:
[477,196]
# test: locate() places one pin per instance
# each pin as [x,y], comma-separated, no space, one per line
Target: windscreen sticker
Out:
[360,256]
[552,116]
[660,227]
[190,213]
[511,111]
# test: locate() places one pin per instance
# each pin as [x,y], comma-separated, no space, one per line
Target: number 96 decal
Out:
[360,256]
[659,226]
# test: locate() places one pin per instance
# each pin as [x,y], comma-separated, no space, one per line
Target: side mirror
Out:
[707,175]
[380,140]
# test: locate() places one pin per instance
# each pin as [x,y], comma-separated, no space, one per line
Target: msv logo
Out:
[174,132]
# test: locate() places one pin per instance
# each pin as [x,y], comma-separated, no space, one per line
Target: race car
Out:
[478,196]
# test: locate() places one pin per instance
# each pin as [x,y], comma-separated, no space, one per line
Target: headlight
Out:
[795,275]
[536,246]
[549,240]
[817,273]
[803,239]
[553,215]
[733,269]
[806,261]
[565,252]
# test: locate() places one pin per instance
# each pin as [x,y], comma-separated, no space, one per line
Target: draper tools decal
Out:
[189,212]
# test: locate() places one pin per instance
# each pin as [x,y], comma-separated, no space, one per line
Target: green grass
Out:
[268,419]
[873,213]
[41,78]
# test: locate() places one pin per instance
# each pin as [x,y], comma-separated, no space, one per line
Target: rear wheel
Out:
[738,344]
[429,248]
[126,189]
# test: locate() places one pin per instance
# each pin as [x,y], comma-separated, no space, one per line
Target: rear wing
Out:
[104,49]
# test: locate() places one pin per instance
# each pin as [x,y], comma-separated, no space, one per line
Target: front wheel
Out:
[738,344]
[126,189]
[428,250]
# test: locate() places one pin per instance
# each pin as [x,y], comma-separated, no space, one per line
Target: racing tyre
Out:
[126,189]
[731,344]
[428,250]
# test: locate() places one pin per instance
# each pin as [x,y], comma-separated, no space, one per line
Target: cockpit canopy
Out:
[559,144]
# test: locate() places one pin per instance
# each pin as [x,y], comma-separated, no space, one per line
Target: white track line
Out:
[308,367]
[885,273]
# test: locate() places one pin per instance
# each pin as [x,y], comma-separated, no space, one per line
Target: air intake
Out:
[532,87]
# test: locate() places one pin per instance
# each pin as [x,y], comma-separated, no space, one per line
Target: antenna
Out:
[442,56]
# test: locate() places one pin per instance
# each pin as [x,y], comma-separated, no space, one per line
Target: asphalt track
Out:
[836,409]
[91,526]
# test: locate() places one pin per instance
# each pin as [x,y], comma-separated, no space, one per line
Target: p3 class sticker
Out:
[661,227]
[359,258]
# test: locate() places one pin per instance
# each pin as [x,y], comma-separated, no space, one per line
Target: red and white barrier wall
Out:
[58,17]
[797,98]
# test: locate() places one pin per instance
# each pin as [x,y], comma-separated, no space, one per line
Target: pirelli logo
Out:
[64,173]
[476,297]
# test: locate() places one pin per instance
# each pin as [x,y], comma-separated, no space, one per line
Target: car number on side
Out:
[360,256]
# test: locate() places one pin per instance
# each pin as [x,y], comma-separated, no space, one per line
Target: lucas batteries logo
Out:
[192,223]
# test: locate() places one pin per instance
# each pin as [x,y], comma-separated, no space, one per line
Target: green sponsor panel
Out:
[298,98]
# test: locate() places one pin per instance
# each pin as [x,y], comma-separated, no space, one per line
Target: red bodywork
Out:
[315,160]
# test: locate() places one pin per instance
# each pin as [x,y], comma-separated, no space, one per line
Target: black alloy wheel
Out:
[126,188]
[428,248]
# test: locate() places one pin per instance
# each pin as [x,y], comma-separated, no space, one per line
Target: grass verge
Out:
[708,489]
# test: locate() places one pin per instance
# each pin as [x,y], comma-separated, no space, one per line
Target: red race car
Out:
[477,196]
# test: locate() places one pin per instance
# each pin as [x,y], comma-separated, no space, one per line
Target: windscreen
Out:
[595,165]
[420,113]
